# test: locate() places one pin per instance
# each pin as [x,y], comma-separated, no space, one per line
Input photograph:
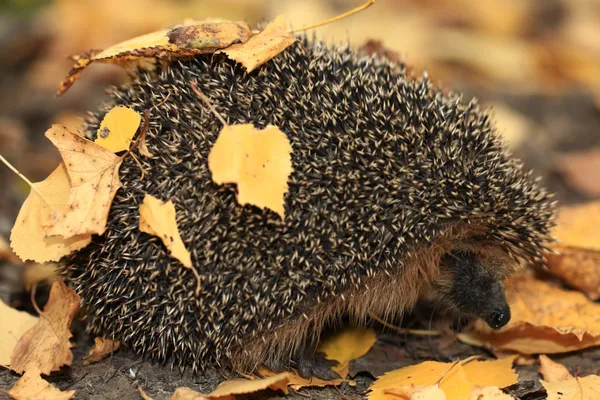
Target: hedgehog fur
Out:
[399,191]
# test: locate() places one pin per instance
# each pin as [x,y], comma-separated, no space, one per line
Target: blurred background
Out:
[535,62]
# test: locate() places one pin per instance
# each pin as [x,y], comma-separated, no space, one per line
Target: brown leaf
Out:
[242,386]
[259,49]
[184,393]
[31,386]
[28,238]
[47,346]
[102,348]
[259,161]
[14,324]
[545,319]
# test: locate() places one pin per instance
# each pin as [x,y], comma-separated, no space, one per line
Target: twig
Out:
[208,103]
[16,171]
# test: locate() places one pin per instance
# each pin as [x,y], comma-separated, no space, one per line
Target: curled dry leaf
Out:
[14,324]
[46,345]
[102,348]
[117,129]
[457,380]
[187,39]
[28,238]
[561,385]
[259,49]
[258,161]
[578,235]
[545,319]
[31,386]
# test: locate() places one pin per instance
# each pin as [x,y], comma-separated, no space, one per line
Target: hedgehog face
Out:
[473,286]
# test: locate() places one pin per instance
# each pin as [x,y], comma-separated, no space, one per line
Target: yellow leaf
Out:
[561,385]
[241,386]
[36,272]
[545,319]
[433,392]
[259,161]
[186,39]
[184,393]
[347,345]
[455,379]
[489,393]
[578,237]
[158,219]
[7,254]
[31,386]
[259,49]
[14,324]
[117,129]
[102,348]
[28,238]
[94,180]
[46,345]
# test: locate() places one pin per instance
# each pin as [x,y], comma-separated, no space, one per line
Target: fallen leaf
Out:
[31,386]
[46,345]
[259,161]
[117,129]
[184,393]
[35,272]
[545,319]
[14,324]
[455,379]
[578,235]
[186,39]
[158,219]
[242,386]
[260,48]
[7,254]
[433,392]
[102,348]
[143,394]
[489,393]
[561,385]
[94,181]
[347,345]
[28,238]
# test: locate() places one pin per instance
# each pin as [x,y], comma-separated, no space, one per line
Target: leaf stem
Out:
[16,171]
[358,9]
[208,103]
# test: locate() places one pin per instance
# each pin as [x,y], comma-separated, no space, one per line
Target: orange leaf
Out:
[561,385]
[14,324]
[102,348]
[259,161]
[31,386]
[259,49]
[46,345]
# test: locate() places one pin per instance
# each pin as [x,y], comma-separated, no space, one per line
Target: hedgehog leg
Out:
[310,363]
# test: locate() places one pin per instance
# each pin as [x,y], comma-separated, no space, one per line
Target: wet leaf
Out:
[47,344]
[14,324]
[117,129]
[258,161]
[31,386]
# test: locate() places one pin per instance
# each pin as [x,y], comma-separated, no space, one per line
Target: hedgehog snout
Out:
[500,313]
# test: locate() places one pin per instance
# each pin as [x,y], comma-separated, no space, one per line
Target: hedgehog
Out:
[400,191]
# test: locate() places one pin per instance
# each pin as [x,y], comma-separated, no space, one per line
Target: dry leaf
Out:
[28,238]
[34,273]
[158,219]
[187,39]
[117,129]
[259,49]
[102,348]
[94,177]
[46,345]
[143,394]
[561,385]
[241,386]
[259,161]
[184,393]
[489,393]
[545,319]
[578,236]
[7,254]
[455,379]
[433,392]
[31,386]
[14,324]
[347,345]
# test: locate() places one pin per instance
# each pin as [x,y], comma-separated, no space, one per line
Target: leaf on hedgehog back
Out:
[94,180]
[259,49]
[102,348]
[14,324]
[545,319]
[578,235]
[187,39]
[31,386]
[258,161]
[47,344]
[117,129]
[561,385]
[28,237]
[457,380]
[158,219]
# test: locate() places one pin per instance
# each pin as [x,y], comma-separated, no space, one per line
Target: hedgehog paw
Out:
[311,364]
[278,365]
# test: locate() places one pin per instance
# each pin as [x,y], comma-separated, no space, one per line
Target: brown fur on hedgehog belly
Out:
[389,176]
